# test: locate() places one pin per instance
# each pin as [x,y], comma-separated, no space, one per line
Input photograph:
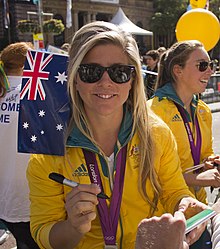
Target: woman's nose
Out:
[105,78]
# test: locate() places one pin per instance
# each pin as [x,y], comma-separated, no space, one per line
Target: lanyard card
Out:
[198,219]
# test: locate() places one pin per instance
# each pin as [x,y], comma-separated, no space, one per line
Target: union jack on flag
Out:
[35,75]
[44,104]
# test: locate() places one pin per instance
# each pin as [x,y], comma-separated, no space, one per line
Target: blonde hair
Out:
[84,40]
[12,60]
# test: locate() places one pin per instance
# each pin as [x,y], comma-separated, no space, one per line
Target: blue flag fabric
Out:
[44,104]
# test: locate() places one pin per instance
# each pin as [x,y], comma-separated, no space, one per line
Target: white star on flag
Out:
[33,138]
[61,77]
[41,113]
[25,125]
[59,127]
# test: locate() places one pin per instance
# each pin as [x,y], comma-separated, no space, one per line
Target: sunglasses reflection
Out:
[203,66]
[91,73]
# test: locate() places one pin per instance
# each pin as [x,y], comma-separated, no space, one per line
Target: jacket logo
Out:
[134,153]
[81,171]
[176,118]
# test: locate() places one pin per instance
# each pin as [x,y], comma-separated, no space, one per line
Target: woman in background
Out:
[184,71]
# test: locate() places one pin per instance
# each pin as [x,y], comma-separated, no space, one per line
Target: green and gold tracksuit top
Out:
[163,105]
[48,197]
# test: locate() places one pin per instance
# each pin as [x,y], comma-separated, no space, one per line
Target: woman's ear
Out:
[177,70]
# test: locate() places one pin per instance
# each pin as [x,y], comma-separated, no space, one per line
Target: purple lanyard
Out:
[195,148]
[108,217]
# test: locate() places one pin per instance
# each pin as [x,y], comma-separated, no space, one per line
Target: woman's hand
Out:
[210,177]
[211,162]
[80,205]
[167,232]
[207,178]
[190,207]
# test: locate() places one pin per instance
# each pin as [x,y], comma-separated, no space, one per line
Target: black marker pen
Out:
[61,179]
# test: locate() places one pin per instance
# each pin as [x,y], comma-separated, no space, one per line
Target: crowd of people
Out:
[146,142]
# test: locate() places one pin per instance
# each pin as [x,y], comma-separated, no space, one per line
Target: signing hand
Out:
[80,205]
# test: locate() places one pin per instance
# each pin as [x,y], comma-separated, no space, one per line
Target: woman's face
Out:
[151,62]
[104,97]
[191,78]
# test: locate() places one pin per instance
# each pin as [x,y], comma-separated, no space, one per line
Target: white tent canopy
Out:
[123,22]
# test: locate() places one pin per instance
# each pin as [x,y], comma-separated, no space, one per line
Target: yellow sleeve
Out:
[169,171]
[46,196]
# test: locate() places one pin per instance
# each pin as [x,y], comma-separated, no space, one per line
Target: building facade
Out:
[83,11]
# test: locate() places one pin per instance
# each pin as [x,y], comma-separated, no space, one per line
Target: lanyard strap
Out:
[195,148]
[108,217]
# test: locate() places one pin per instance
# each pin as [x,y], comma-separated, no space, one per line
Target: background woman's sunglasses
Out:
[203,65]
[91,73]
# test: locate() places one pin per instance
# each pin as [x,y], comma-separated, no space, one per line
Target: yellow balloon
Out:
[198,3]
[199,24]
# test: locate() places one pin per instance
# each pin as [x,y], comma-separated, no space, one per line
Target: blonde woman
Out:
[115,143]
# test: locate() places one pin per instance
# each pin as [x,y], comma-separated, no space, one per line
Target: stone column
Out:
[93,17]
[88,17]
[84,19]
[75,20]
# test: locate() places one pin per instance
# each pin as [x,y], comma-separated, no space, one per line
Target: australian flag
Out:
[44,104]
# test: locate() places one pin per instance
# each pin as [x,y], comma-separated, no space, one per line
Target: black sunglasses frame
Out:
[203,65]
[116,73]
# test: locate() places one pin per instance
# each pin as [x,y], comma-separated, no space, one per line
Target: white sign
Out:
[106,1]
[55,50]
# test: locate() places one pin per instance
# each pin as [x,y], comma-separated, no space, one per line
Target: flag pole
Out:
[40,15]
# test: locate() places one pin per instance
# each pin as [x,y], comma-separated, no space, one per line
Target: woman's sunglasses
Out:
[91,73]
[203,65]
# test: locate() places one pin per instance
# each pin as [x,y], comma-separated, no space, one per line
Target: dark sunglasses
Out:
[203,65]
[91,73]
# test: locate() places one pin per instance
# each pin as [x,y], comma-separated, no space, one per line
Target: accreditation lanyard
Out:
[108,217]
[195,147]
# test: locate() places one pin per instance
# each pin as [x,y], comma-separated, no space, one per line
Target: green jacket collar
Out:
[168,92]
[77,139]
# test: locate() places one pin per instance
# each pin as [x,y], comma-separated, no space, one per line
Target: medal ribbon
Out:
[108,217]
[195,148]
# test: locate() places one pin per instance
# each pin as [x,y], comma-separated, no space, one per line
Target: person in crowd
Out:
[4,232]
[115,145]
[151,59]
[65,47]
[161,50]
[14,192]
[184,72]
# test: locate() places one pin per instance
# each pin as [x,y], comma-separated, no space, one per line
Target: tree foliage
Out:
[168,12]
[214,7]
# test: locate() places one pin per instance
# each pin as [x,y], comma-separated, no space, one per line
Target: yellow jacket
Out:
[48,197]
[163,105]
